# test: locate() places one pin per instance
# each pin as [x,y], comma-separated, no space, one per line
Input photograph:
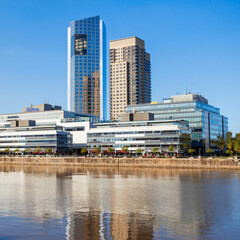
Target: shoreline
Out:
[183,163]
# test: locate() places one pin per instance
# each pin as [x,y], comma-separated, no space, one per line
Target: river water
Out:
[120,204]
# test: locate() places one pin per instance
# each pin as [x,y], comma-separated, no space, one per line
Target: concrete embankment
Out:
[206,163]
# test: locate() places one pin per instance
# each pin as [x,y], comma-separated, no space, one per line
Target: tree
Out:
[16,150]
[237,143]
[191,151]
[38,149]
[6,150]
[230,141]
[139,150]
[230,152]
[210,151]
[155,149]
[84,151]
[125,148]
[97,149]
[27,150]
[185,141]
[171,148]
[110,150]
[49,150]
[221,144]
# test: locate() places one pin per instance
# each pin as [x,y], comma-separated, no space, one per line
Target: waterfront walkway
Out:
[207,163]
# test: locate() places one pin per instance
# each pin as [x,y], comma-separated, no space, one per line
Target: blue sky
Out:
[194,45]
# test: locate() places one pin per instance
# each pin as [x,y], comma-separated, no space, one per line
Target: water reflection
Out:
[110,203]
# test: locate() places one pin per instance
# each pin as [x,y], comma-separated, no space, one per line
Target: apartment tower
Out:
[130,75]
[87,67]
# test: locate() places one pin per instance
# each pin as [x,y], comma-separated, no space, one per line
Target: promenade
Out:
[201,163]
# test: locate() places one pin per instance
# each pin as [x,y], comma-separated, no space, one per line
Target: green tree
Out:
[139,150]
[16,150]
[185,141]
[155,150]
[6,150]
[125,148]
[221,143]
[110,150]
[230,141]
[209,151]
[237,143]
[27,150]
[49,150]
[84,151]
[230,152]
[38,149]
[171,148]
[191,151]
[97,149]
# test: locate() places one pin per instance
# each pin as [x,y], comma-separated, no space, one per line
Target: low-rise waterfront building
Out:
[141,134]
[45,126]
[205,121]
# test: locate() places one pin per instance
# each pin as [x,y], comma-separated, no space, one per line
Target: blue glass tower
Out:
[87,67]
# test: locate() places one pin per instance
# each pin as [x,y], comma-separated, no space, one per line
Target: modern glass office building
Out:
[45,126]
[87,67]
[140,134]
[205,121]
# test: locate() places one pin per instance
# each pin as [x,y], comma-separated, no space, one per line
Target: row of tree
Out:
[230,145]
[29,150]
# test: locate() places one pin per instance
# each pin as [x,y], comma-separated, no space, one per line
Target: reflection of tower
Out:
[120,227]
[141,227]
[83,222]
[130,219]
[83,225]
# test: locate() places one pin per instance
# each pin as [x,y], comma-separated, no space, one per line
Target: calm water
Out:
[84,203]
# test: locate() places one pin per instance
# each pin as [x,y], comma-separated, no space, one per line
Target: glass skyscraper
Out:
[87,67]
[205,121]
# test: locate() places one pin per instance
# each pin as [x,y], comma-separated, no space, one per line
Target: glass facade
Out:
[205,121]
[46,129]
[145,135]
[87,67]
[32,137]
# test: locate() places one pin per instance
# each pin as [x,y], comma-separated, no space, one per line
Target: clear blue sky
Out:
[194,45]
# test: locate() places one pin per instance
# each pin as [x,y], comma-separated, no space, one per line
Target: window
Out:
[80,44]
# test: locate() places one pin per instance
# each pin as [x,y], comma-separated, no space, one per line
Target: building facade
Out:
[45,126]
[87,90]
[30,138]
[205,121]
[140,134]
[130,75]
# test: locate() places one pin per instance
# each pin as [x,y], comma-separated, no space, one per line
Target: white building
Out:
[44,126]
[140,134]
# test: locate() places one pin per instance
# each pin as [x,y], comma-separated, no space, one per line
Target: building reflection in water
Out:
[121,204]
